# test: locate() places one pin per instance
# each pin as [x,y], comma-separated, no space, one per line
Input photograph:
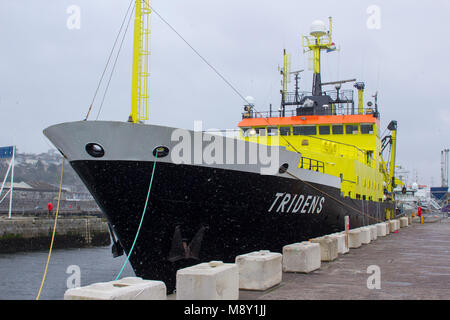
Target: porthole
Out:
[95,150]
[283,168]
[161,150]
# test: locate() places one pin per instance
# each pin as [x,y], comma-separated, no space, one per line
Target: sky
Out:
[50,67]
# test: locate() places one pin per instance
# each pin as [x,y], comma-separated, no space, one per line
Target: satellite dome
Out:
[318,28]
[250,99]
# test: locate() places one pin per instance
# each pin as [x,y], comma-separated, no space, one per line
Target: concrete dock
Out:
[34,233]
[413,263]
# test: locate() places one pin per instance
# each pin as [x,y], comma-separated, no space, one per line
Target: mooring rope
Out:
[142,218]
[54,231]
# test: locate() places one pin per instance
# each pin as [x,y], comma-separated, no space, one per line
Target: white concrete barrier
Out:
[365,235]
[328,247]
[259,270]
[301,257]
[354,238]
[213,280]
[130,288]
[409,220]
[388,227]
[403,222]
[381,229]
[392,225]
[340,236]
[373,232]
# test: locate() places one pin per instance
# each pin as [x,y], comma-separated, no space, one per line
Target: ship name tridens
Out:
[297,203]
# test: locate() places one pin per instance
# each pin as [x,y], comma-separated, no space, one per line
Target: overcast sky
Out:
[49,73]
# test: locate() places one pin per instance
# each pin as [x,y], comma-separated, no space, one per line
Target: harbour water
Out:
[21,273]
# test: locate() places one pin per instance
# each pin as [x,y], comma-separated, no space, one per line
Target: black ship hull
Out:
[197,214]
[199,211]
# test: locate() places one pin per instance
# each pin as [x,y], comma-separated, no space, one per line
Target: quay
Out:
[411,262]
[414,265]
[34,233]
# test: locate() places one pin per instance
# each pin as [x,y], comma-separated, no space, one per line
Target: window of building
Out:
[367,128]
[324,129]
[305,131]
[338,129]
[351,129]
[285,131]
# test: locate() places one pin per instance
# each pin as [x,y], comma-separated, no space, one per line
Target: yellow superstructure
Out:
[332,134]
[343,146]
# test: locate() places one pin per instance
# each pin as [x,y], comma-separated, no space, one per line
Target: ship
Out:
[194,196]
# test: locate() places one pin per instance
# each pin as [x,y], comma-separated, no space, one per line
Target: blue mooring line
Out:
[142,218]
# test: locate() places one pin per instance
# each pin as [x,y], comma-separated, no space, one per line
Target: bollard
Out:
[259,270]
[301,257]
[213,280]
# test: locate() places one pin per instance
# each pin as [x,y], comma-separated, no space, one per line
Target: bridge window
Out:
[305,131]
[285,131]
[338,129]
[324,129]
[261,131]
[351,129]
[272,131]
[367,128]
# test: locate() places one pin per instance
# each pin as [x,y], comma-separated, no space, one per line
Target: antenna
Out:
[319,39]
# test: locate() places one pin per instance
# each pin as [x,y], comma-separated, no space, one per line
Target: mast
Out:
[319,39]
[141,55]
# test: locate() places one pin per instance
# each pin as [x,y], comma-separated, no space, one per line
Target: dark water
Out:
[21,273]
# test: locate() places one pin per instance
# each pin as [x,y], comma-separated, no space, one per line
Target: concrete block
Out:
[381,229]
[403,222]
[130,288]
[409,220]
[259,270]
[340,237]
[328,247]
[365,235]
[354,238]
[388,227]
[213,280]
[392,225]
[373,232]
[301,257]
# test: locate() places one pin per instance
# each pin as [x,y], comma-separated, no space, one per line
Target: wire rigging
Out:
[114,65]
[109,59]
